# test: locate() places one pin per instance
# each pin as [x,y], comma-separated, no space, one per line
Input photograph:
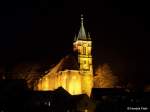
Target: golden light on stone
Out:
[70,80]
[74,81]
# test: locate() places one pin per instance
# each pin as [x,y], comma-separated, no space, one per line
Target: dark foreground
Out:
[16,97]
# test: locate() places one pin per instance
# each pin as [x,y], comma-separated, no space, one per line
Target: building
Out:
[74,72]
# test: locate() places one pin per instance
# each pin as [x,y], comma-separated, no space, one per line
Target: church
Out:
[75,71]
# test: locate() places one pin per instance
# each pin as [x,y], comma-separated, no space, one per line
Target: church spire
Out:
[82,34]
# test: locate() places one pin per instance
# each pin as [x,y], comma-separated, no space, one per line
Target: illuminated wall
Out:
[84,48]
[70,80]
[74,81]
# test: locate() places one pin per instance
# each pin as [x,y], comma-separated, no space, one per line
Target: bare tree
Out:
[26,71]
[104,77]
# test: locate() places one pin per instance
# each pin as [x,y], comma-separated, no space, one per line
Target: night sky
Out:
[42,30]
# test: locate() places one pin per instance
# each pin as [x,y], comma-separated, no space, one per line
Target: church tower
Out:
[83,46]
[75,76]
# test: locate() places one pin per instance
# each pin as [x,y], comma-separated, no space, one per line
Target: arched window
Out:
[84,50]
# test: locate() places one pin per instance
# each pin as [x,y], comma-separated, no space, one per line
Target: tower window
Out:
[84,50]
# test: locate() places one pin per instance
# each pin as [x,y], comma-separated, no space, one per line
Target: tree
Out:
[28,71]
[104,77]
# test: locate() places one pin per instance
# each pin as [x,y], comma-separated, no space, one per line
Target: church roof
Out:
[82,34]
[69,62]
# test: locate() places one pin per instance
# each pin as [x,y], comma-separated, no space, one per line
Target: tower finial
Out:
[82,34]
[81,18]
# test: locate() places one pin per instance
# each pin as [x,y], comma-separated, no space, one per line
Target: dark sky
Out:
[42,29]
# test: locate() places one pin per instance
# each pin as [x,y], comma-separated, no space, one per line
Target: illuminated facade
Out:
[75,79]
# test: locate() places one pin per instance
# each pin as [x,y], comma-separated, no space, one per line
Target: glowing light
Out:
[75,85]
[86,110]
[74,81]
